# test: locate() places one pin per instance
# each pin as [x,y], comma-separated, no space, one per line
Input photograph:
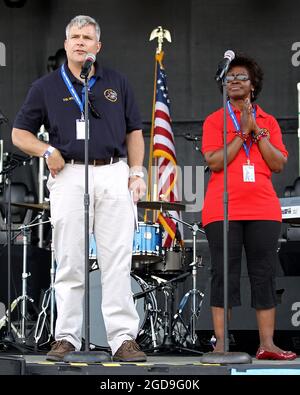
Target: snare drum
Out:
[147,244]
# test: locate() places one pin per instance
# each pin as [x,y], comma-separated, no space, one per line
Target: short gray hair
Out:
[83,20]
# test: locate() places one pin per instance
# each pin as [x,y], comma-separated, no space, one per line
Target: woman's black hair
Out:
[255,73]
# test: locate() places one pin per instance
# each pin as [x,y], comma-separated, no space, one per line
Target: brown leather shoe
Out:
[59,349]
[129,351]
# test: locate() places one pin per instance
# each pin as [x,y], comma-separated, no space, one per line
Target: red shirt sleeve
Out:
[212,138]
[276,136]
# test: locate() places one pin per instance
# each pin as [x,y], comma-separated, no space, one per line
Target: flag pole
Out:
[152,193]
[150,162]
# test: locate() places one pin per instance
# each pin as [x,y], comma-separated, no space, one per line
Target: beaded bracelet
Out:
[262,133]
[241,135]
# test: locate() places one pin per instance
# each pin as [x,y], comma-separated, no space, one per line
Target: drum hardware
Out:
[25,274]
[152,314]
[168,343]
[193,293]
[172,262]
[179,316]
[48,298]
[4,319]
[20,333]
[162,205]
[34,206]
[153,333]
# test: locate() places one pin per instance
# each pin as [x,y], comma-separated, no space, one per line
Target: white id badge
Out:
[248,173]
[80,129]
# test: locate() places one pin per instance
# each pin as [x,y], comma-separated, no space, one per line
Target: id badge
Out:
[80,129]
[248,173]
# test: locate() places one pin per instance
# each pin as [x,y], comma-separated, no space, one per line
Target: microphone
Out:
[86,68]
[224,64]
[190,137]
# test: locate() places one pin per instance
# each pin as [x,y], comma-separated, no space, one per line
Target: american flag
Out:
[164,151]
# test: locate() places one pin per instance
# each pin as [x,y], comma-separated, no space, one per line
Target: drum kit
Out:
[161,268]
[155,273]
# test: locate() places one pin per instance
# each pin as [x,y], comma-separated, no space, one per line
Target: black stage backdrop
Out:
[201,32]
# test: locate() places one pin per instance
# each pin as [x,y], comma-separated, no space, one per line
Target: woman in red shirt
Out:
[254,151]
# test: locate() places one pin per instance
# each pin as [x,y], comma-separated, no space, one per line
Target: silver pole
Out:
[1,161]
[52,279]
[44,136]
[25,275]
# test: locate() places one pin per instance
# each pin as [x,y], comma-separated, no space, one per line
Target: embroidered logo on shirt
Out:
[68,98]
[111,95]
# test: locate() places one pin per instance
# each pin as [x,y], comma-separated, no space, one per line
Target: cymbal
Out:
[33,206]
[162,205]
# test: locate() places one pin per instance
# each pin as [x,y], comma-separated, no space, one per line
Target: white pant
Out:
[112,220]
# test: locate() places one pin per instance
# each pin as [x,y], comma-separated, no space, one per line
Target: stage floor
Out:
[157,365]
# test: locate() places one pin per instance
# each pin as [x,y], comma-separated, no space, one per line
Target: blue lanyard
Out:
[72,89]
[238,128]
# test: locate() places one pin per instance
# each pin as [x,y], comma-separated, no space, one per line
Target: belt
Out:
[94,162]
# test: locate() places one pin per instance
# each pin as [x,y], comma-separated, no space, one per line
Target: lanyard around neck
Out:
[72,90]
[238,127]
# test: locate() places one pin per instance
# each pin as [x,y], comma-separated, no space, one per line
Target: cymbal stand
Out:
[25,275]
[194,292]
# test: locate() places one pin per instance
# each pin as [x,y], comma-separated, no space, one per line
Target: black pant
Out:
[260,240]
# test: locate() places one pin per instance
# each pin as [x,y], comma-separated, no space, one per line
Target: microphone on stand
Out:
[86,68]
[224,64]
[190,137]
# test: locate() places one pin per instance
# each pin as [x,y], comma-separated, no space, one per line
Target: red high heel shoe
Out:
[276,356]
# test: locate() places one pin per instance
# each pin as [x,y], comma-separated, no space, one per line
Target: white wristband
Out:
[136,173]
[48,152]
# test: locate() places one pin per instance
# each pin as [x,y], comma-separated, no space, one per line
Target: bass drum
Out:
[146,306]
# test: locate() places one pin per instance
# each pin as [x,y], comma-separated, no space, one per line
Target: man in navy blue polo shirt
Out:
[56,101]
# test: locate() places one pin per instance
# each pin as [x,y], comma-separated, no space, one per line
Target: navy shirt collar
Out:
[98,73]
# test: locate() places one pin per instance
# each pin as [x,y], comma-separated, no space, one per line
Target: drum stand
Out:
[20,333]
[25,275]
[193,293]
[48,298]
[169,344]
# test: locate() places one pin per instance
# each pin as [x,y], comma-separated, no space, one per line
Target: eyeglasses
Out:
[238,77]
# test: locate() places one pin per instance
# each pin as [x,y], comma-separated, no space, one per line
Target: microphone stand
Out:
[86,356]
[225,356]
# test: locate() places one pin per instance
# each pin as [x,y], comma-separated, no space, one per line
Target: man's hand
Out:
[55,163]
[138,187]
